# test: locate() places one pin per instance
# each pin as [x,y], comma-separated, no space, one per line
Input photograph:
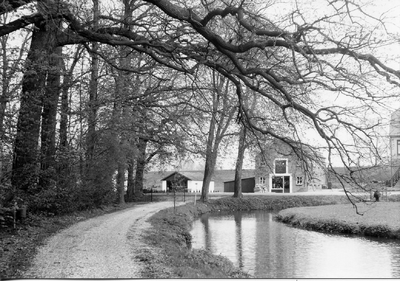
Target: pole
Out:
[174,199]
[151,194]
[195,198]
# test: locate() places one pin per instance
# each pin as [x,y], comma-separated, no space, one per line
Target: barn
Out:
[189,181]
[248,185]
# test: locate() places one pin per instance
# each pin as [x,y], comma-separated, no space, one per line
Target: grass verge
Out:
[380,219]
[170,237]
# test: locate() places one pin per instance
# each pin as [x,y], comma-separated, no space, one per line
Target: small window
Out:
[398,147]
[262,180]
[280,166]
[299,180]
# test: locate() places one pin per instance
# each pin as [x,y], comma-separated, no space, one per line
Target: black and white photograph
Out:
[199,139]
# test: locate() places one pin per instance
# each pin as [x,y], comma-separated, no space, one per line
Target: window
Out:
[262,180]
[280,166]
[398,147]
[299,180]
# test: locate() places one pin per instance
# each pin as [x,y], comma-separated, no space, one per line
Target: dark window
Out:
[280,166]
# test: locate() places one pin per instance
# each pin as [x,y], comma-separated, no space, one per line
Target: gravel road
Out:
[101,247]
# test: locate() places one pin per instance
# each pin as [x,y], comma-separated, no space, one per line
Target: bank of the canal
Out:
[170,235]
[375,219]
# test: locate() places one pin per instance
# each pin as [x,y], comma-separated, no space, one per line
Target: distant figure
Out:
[377,194]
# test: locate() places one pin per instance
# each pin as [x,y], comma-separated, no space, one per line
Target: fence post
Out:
[174,199]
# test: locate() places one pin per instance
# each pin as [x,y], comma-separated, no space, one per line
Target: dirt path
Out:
[101,247]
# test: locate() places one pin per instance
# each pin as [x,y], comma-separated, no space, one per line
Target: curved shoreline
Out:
[380,219]
[170,234]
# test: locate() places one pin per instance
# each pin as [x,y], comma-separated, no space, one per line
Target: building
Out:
[279,169]
[394,137]
[248,185]
[189,181]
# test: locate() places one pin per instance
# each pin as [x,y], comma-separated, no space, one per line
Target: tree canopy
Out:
[325,69]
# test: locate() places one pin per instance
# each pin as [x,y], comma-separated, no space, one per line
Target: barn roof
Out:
[190,175]
[243,179]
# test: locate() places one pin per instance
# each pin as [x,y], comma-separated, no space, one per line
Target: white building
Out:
[190,181]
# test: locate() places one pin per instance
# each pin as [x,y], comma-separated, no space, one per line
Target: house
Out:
[190,181]
[279,169]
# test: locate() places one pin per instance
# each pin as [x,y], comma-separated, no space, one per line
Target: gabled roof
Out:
[190,175]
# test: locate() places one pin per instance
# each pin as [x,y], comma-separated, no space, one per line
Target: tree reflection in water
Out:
[265,248]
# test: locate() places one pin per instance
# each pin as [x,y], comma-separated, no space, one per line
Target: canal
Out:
[265,248]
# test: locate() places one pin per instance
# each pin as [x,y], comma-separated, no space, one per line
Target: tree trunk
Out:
[140,167]
[25,161]
[47,175]
[211,156]
[121,182]
[239,163]
[92,104]
[131,181]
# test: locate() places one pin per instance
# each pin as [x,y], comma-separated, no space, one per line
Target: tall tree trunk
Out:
[211,157]
[47,175]
[123,89]
[93,100]
[3,97]
[239,163]
[25,161]
[140,167]
[130,191]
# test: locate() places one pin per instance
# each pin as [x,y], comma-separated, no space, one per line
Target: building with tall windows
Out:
[281,169]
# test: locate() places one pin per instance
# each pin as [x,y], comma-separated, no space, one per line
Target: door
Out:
[286,184]
[280,184]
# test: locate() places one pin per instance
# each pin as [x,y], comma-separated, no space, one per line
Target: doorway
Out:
[280,184]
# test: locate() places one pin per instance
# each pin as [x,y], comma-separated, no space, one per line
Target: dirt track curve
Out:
[101,247]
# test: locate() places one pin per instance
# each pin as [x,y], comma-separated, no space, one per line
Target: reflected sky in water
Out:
[265,248]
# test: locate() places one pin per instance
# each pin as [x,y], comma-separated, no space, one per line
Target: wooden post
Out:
[174,198]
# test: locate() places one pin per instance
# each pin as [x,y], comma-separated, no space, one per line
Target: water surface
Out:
[266,248]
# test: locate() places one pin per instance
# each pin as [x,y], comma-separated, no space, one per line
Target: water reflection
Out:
[269,249]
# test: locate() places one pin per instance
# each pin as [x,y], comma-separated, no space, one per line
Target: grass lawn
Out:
[379,219]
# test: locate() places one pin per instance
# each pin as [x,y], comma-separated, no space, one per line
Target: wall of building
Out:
[295,169]
[247,185]
[196,186]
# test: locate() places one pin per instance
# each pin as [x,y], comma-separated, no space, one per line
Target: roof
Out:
[243,179]
[190,175]
[220,176]
[379,173]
